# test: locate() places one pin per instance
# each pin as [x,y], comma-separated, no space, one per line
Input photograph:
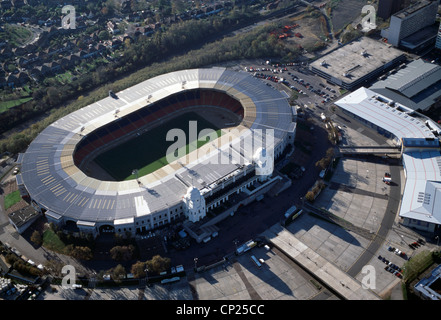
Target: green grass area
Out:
[52,241]
[5,105]
[12,198]
[417,265]
[148,152]
[15,34]
[64,78]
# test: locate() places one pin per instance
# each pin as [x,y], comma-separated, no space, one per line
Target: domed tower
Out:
[264,161]
[194,205]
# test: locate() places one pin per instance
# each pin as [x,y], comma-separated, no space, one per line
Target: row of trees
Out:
[22,266]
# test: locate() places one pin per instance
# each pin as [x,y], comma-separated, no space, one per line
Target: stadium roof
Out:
[57,184]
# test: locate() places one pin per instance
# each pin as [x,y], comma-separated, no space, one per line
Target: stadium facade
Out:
[52,178]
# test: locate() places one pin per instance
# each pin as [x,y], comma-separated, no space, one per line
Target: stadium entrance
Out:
[107,229]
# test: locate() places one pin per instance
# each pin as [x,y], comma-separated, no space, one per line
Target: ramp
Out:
[343,284]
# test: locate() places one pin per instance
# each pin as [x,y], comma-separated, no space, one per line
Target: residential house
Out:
[53,66]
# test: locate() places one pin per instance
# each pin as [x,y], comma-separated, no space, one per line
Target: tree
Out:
[310,196]
[119,272]
[158,264]
[82,253]
[104,35]
[122,253]
[36,238]
[138,269]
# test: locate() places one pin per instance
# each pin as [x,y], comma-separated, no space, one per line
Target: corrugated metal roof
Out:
[410,84]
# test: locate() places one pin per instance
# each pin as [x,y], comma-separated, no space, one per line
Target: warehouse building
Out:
[420,206]
[416,85]
[357,63]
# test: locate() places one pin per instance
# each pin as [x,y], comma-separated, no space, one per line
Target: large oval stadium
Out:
[108,166]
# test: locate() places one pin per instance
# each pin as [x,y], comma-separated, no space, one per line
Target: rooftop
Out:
[386,114]
[417,85]
[356,59]
[412,9]
[421,198]
[22,216]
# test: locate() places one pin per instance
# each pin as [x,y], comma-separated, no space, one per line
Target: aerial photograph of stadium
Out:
[225,156]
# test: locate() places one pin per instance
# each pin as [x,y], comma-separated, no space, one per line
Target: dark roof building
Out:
[23,218]
[417,85]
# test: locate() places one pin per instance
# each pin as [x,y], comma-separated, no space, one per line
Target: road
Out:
[386,224]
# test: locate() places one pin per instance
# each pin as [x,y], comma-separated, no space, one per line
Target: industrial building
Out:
[417,85]
[417,136]
[357,63]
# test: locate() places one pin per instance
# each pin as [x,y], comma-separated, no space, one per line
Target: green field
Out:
[147,152]
[12,198]
[5,105]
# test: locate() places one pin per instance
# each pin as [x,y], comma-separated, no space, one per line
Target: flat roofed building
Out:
[410,20]
[421,200]
[357,63]
[23,218]
[429,288]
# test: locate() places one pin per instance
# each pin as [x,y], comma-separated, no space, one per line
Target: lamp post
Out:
[195,264]
[146,270]
[236,242]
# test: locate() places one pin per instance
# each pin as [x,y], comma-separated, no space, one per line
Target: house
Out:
[115,43]
[81,54]
[113,29]
[11,80]
[36,74]
[53,66]
[23,218]
[73,59]
[21,62]
[44,69]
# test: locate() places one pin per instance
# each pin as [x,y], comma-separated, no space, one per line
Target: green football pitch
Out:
[148,151]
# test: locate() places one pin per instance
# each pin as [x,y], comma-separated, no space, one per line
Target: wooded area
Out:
[179,47]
